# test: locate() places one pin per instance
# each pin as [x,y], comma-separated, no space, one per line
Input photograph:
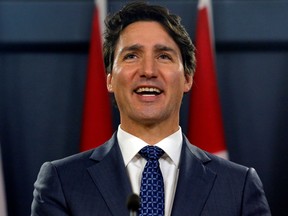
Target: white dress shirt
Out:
[169,162]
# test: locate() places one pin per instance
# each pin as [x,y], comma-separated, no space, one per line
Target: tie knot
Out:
[151,152]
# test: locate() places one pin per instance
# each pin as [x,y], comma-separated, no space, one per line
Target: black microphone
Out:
[133,204]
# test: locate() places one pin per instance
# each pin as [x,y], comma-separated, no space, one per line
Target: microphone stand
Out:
[133,204]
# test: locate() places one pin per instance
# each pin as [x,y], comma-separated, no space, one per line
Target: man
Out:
[150,62]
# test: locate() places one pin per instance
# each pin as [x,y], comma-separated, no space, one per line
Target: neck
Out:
[152,133]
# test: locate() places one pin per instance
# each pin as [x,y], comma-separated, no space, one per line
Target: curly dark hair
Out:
[141,11]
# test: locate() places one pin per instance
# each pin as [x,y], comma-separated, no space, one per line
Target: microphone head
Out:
[133,202]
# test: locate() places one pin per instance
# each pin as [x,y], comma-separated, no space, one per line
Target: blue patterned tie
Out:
[152,185]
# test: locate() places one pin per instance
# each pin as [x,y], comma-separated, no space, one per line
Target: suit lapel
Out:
[109,175]
[194,183]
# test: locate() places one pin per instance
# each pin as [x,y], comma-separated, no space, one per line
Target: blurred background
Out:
[43,62]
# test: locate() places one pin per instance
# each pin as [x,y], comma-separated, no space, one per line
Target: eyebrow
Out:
[160,47]
[157,47]
[133,47]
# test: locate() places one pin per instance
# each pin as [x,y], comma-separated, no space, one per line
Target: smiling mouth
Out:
[147,91]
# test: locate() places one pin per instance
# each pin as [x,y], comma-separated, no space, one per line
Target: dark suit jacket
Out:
[96,183]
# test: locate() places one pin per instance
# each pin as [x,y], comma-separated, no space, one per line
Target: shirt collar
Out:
[130,145]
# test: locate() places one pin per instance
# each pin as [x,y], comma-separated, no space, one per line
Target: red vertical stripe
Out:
[97,120]
[205,120]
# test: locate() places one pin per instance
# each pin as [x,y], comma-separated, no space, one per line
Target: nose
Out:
[149,69]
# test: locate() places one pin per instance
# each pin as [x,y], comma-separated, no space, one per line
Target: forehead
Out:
[147,34]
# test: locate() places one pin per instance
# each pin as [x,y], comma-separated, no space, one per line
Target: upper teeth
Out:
[146,89]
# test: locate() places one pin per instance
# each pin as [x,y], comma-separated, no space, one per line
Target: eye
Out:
[130,56]
[165,56]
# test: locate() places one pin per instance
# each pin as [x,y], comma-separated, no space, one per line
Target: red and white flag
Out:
[97,111]
[205,128]
[3,210]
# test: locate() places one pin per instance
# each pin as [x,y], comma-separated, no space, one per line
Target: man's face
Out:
[147,77]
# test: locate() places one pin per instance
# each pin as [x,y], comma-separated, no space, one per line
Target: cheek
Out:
[177,78]
[120,82]
[116,76]
[124,74]
[179,84]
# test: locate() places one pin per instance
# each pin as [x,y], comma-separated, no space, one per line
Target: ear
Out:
[188,82]
[109,83]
